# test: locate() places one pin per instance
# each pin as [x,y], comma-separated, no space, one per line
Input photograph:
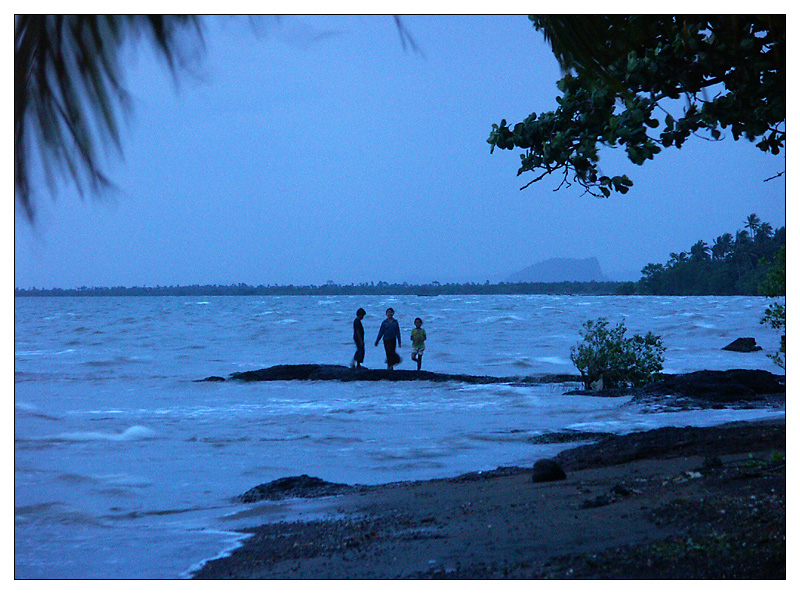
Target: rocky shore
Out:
[672,503]
[749,388]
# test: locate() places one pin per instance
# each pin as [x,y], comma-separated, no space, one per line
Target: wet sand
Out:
[693,503]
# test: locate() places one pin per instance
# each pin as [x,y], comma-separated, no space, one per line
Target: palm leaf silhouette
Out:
[68,91]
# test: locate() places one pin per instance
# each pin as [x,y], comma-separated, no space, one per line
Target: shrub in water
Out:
[606,354]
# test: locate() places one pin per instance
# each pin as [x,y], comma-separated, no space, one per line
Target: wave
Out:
[230,544]
[553,360]
[338,439]
[32,410]
[134,433]
[111,480]
[115,361]
[286,438]
[505,319]
[523,362]
[54,513]
[39,353]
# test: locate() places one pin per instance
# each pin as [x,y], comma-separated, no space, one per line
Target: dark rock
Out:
[719,386]
[673,442]
[548,470]
[620,491]
[616,493]
[713,389]
[212,378]
[702,388]
[599,501]
[483,475]
[568,436]
[317,372]
[710,464]
[743,345]
[293,486]
[278,373]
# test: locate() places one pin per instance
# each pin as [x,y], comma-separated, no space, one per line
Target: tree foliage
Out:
[774,285]
[607,356]
[648,82]
[733,265]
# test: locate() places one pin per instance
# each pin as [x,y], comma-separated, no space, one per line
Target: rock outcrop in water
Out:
[705,389]
[293,486]
[742,345]
[316,372]
[720,386]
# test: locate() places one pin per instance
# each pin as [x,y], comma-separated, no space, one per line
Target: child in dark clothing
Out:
[390,332]
[358,338]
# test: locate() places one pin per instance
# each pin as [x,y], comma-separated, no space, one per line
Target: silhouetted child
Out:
[390,332]
[418,337]
[358,338]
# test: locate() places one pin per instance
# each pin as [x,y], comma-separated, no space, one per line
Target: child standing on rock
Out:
[390,332]
[358,338]
[418,337]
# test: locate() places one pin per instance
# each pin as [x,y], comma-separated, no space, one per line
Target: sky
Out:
[314,148]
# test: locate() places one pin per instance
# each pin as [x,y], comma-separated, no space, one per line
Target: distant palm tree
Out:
[68,91]
[700,251]
[764,232]
[742,240]
[743,249]
[752,223]
[716,250]
[677,258]
[722,246]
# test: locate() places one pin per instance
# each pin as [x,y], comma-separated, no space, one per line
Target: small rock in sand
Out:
[548,470]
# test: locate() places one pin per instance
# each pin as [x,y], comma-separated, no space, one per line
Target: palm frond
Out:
[68,91]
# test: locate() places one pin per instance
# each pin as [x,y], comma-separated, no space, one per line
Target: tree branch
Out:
[775,176]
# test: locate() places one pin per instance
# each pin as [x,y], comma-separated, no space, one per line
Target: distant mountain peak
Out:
[556,270]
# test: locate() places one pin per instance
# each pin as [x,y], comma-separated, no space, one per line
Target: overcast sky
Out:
[317,148]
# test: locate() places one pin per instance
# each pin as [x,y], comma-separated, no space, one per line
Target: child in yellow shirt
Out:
[418,337]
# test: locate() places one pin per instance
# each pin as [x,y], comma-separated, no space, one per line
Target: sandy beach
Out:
[691,503]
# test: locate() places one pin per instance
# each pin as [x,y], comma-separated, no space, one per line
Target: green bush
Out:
[775,286]
[605,354]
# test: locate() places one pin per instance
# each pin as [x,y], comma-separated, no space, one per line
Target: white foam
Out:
[134,433]
[554,360]
[232,542]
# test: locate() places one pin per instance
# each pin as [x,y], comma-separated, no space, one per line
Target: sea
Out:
[126,467]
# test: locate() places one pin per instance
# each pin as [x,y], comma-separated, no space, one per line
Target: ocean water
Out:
[126,468]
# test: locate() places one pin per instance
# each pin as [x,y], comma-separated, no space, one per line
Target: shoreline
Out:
[670,503]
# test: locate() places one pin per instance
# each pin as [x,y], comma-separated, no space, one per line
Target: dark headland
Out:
[670,503]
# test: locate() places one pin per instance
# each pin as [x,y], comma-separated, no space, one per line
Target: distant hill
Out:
[558,270]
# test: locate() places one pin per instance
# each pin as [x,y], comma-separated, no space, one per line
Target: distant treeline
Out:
[381,288]
[734,264]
